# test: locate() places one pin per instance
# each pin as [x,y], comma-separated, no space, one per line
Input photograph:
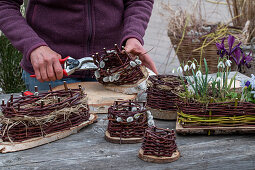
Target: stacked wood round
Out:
[120,127]
[159,146]
[117,67]
[162,96]
[28,117]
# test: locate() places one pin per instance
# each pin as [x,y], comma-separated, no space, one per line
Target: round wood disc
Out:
[121,140]
[163,114]
[156,159]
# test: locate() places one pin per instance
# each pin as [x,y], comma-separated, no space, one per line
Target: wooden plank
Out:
[99,98]
[213,130]
[6,147]
[156,159]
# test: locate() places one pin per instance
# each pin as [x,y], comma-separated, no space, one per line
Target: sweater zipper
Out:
[90,25]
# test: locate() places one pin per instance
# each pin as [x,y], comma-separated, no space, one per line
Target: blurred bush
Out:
[10,70]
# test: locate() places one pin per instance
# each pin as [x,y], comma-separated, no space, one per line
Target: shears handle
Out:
[61,61]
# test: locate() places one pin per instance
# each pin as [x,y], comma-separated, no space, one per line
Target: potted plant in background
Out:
[214,104]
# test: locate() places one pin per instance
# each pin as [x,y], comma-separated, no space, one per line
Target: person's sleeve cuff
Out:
[33,48]
[128,36]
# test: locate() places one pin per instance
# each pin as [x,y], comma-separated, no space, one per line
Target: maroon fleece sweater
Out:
[75,28]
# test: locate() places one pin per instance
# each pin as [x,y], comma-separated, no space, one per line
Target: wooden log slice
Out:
[6,147]
[163,114]
[132,88]
[156,159]
[121,140]
[99,98]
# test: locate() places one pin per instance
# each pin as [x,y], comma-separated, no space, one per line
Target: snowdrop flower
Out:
[130,119]
[193,66]
[179,70]
[106,79]
[228,63]
[253,92]
[218,79]
[97,74]
[139,62]
[198,74]
[102,64]
[119,119]
[186,68]
[221,64]
[173,71]
[132,63]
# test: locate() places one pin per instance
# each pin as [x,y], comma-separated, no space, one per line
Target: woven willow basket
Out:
[190,43]
[225,114]
[161,96]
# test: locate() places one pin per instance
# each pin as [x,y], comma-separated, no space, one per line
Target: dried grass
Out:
[242,11]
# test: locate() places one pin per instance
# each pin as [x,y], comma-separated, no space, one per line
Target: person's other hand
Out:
[46,64]
[134,47]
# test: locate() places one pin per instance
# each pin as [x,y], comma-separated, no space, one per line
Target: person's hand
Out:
[46,64]
[134,47]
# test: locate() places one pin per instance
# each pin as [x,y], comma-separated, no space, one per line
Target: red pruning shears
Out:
[71,65]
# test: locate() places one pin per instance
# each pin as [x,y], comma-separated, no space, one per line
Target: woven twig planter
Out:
[38,115]
[185,49]
[161,96]
[227,114]
[117,67]
[159,146]
[127,122]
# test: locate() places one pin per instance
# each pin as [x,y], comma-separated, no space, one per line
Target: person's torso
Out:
[77,28]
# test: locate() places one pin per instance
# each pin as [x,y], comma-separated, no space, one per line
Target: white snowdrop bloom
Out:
[111,78]
[221,64]
[136,116]
[179,70]
[132,63]
[151,123]
[134,109]
[198,74]
[228,63]
[173,71]
[130,119]
[218,79]
[186,68]
[119,119]
[139,62]
[193,66]
[97,74]
[106,79]
[102,64]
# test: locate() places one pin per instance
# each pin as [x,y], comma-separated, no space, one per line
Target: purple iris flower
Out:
[221,48]
[247,84]
[234,52]
[246,59]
